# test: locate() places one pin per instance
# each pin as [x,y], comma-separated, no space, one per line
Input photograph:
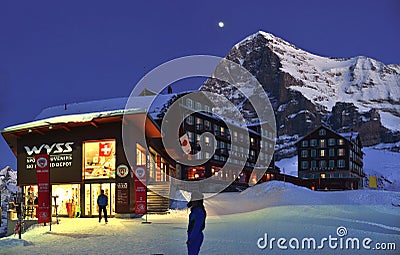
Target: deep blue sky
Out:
[56,52]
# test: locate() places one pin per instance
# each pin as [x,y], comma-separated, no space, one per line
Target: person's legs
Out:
[100,208]
[105,213]
[194,247]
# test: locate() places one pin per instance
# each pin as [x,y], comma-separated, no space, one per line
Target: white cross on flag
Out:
[185,144]
[105,149]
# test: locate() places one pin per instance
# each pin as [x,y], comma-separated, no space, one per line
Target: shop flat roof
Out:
[90,110]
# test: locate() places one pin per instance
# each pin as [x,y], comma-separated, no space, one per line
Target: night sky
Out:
[56,52]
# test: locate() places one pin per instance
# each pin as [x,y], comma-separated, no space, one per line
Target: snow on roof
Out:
[351,136]
[87,111]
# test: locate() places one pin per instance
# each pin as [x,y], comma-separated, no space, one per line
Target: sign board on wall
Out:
[43,182]
[60,154]
[140,189]
[65,159]
[123,183]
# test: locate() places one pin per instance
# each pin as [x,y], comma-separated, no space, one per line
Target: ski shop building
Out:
[87,153]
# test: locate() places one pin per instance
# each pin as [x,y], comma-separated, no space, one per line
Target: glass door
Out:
[92,191]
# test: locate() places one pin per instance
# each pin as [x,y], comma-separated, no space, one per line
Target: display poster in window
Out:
[99,158]
[140,189]
[43,181]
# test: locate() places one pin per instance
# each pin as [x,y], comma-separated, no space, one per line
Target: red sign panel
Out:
[43,181]
[140,189]
[105,149]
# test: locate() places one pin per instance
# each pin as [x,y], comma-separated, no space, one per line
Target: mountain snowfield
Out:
[363,81]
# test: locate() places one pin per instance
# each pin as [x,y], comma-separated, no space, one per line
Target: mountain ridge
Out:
[305,90]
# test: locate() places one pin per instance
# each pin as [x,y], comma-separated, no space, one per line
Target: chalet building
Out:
[331,160]
[87,153]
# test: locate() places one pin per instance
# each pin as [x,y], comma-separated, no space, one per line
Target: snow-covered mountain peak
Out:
[358,93]
[361,80]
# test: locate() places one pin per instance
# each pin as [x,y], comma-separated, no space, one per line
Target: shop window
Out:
[99,159]
[140,155]
[68,199]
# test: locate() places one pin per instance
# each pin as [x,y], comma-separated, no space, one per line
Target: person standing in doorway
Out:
[197,223]
[102,202]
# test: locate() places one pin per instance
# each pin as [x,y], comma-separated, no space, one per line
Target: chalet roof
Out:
[349,136]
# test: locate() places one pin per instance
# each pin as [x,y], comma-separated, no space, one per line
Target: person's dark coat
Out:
[102,200]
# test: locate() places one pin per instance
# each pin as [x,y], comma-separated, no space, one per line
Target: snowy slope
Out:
[366,82]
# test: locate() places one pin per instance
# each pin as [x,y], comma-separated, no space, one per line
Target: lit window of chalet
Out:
[340,142]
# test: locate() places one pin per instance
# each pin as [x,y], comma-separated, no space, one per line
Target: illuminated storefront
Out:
[84,158]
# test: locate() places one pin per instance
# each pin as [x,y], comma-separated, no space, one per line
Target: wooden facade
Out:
[333,160]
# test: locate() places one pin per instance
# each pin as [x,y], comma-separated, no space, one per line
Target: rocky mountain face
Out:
[305,90]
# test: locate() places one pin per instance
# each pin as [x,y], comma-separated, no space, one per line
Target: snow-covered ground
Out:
[234,225]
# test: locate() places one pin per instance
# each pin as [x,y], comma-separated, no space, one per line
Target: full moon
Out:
[221,24]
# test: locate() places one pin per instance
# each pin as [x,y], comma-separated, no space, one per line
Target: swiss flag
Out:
[185,144]
[105,149]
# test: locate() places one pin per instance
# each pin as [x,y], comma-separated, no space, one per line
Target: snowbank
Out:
[277,193]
